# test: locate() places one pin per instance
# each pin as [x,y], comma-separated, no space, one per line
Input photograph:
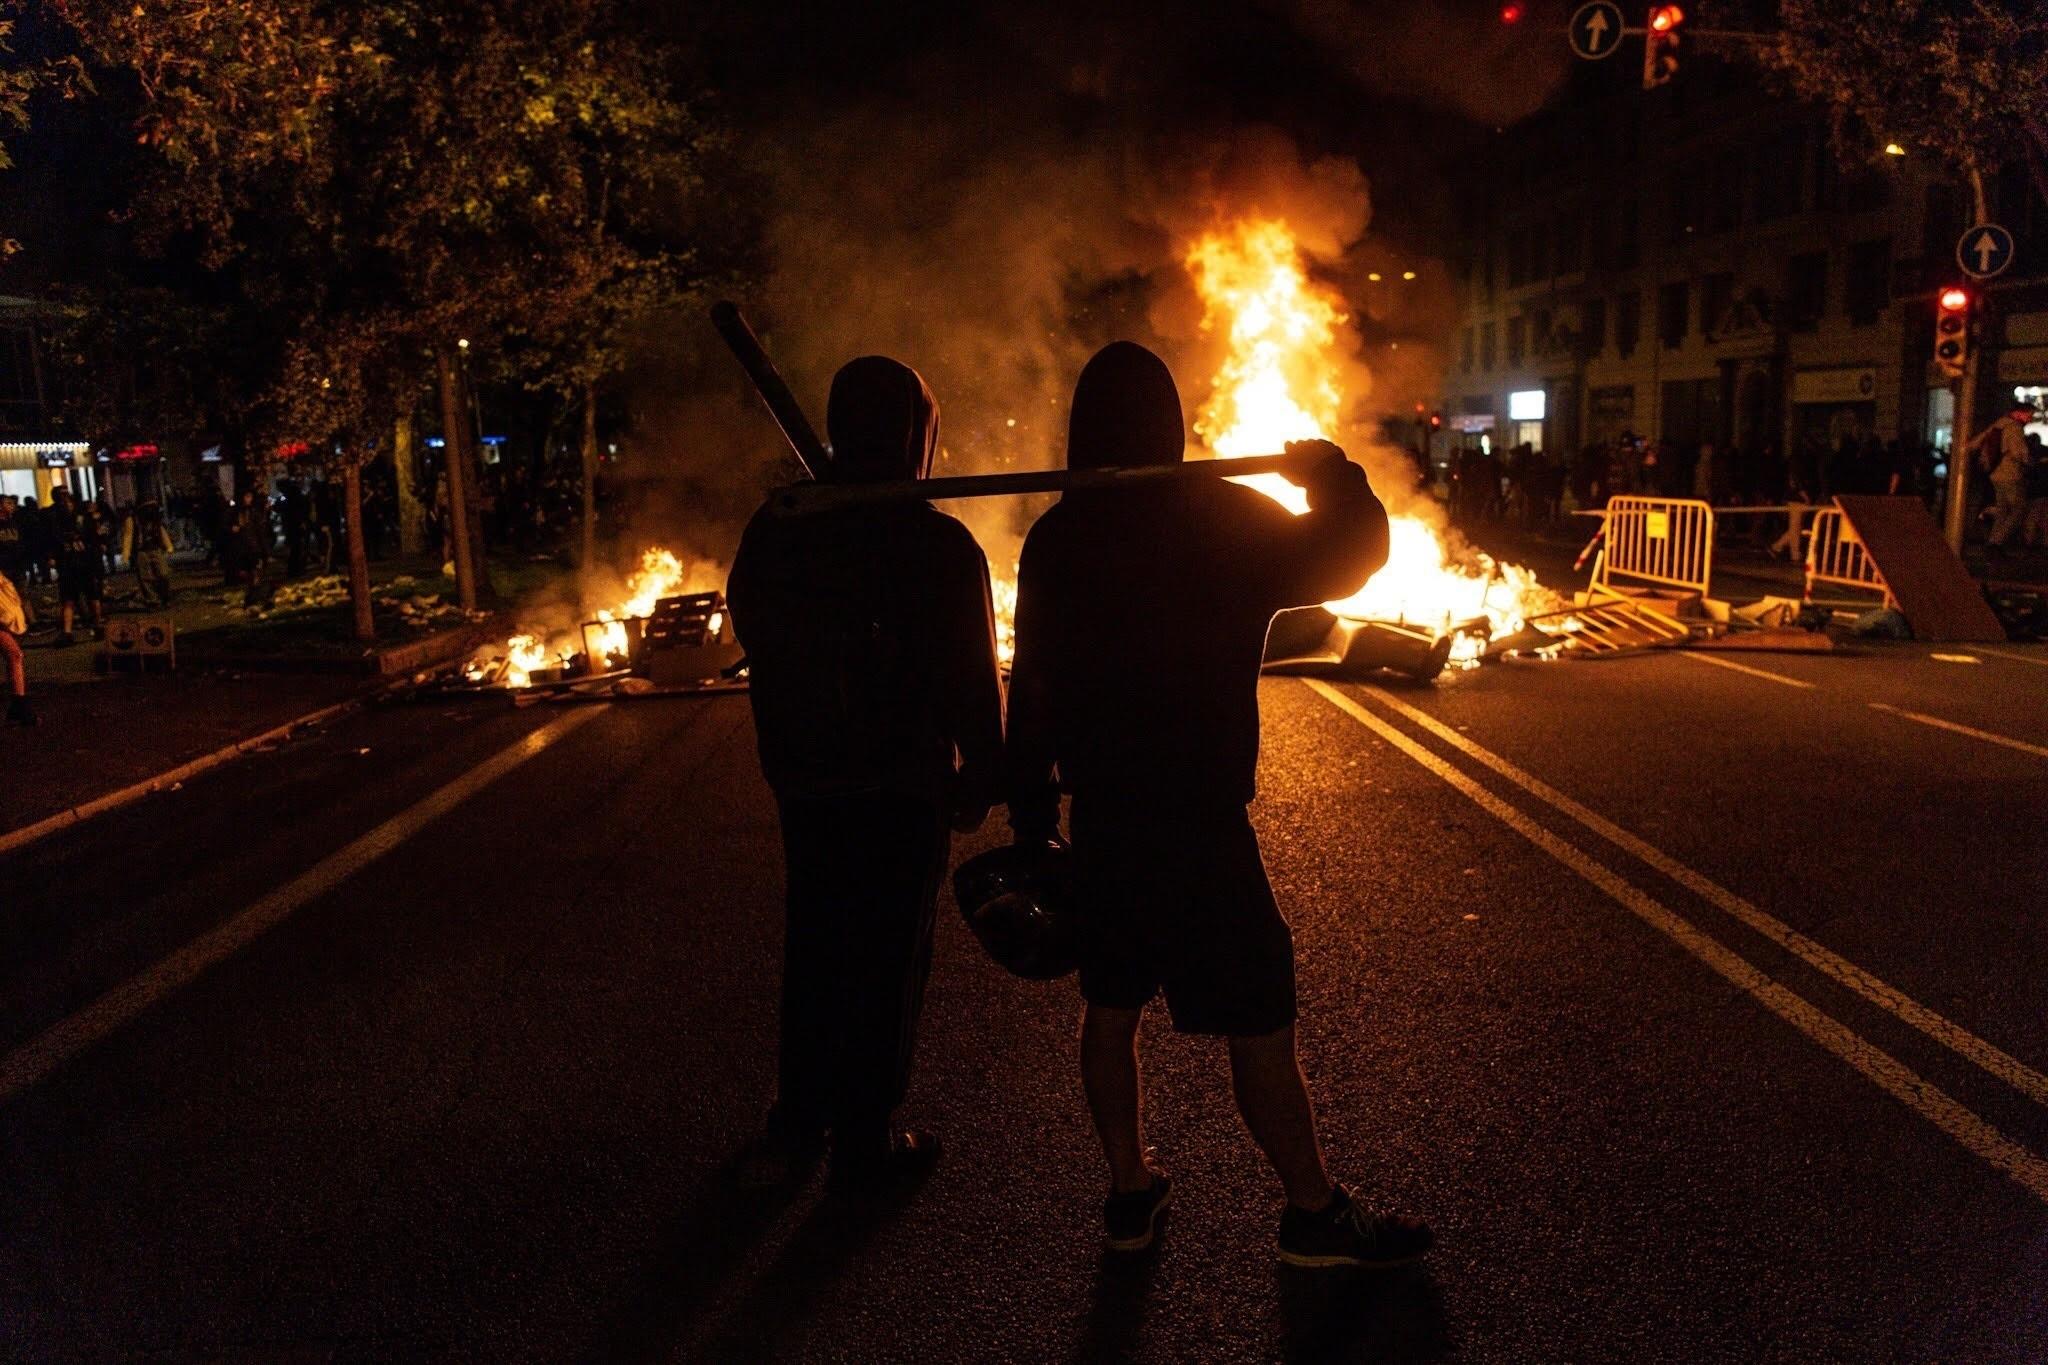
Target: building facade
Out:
[1693,264]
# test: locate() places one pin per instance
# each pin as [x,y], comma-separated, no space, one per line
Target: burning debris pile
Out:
[1437,600]
[1278,384]
[559,646]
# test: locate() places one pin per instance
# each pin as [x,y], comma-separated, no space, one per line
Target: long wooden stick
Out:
[768,382]
[803,498]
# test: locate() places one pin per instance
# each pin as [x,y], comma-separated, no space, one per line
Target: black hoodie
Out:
[869,633]
[1142,614]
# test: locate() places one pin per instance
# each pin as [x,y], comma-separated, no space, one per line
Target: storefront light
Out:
[1525,405]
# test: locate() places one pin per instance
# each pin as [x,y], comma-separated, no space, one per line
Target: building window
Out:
[1720,206]
[1781,175]
[1674,301]
[1486,346]
[1681,206]
[1593,328]
[1569,237]
[1517,334]
[1717,297]
[1806,290]
[1539,332]
[1465,353]
[1867,287]
[1628,322]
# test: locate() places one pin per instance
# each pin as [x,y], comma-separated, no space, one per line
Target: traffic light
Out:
[1952,331]
[1660,45]
[1511,13]
[1436,421]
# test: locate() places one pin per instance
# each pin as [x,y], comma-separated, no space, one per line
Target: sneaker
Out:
[1344,1235]
[1132,1218]
[898,1165]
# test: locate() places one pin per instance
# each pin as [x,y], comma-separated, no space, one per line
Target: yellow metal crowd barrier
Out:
[1664,541]
[1835,555]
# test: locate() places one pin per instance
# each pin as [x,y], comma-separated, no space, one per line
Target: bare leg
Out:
[1109,1073]
[1273,1098]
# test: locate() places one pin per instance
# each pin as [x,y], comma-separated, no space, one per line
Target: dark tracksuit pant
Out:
[864,874]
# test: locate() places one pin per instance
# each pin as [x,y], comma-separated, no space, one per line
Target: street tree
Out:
[406,176]
[1955,82]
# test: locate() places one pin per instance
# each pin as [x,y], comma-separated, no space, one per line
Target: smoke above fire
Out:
[993,197]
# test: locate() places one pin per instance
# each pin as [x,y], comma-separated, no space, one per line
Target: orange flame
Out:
[1278,383]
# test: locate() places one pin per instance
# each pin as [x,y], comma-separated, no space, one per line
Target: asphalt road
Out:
[1701,1009]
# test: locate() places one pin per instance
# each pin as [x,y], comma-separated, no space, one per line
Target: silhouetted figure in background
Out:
[871,643]
[1141,626]
[146,544]
[81,561]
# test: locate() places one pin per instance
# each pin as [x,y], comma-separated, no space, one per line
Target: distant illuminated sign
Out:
[1525,405]
[55,457]
[136,452]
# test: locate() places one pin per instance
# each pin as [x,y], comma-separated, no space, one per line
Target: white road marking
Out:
[1877,1066]
[54,1046]
[2038,751]
[2014,655]
[1763,673]
[2008,1068]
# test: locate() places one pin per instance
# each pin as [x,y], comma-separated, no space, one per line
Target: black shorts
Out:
[1178,901]
[80,579]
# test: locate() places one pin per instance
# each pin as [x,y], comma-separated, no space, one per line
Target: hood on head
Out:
[882,420]
[1126,411]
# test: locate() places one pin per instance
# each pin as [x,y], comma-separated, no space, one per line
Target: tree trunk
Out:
[358,552]
[589,475]
[412,512]
[452,447]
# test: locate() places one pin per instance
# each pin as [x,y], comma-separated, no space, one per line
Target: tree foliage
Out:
[1957,80]
[390,176]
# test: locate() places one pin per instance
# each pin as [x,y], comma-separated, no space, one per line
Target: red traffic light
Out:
[1511,13]
[1955,299]
[1436,419]
[1664,18]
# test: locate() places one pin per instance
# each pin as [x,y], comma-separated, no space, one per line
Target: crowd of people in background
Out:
[293,524]
[1526,486]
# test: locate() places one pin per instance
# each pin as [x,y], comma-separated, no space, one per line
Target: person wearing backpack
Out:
[2002,447]
[870,640]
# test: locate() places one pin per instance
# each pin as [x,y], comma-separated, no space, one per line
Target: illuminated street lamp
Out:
[1894,149]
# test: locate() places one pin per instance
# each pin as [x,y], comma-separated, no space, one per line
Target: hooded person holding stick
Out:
[1141,624]
[871,644]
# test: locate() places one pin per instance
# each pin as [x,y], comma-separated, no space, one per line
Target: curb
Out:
[99,805]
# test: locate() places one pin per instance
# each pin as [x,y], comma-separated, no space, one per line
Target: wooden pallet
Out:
[1615,627]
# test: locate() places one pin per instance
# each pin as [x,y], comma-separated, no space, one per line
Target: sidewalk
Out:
[240,673]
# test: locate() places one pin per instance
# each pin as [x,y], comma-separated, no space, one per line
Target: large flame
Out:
[661,574]
[1279,383]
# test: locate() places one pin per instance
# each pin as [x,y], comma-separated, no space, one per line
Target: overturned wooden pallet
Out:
[1602,629]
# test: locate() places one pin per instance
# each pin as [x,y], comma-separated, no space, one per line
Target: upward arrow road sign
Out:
[1985,250]
[1596,29]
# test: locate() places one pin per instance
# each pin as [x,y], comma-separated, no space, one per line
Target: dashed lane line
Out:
[1989,737]
[54,1046]
[1893,1001]
[1763,673]
[1879,1067]
[2038,659]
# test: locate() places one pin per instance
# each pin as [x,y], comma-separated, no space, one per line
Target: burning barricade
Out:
[656,630]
